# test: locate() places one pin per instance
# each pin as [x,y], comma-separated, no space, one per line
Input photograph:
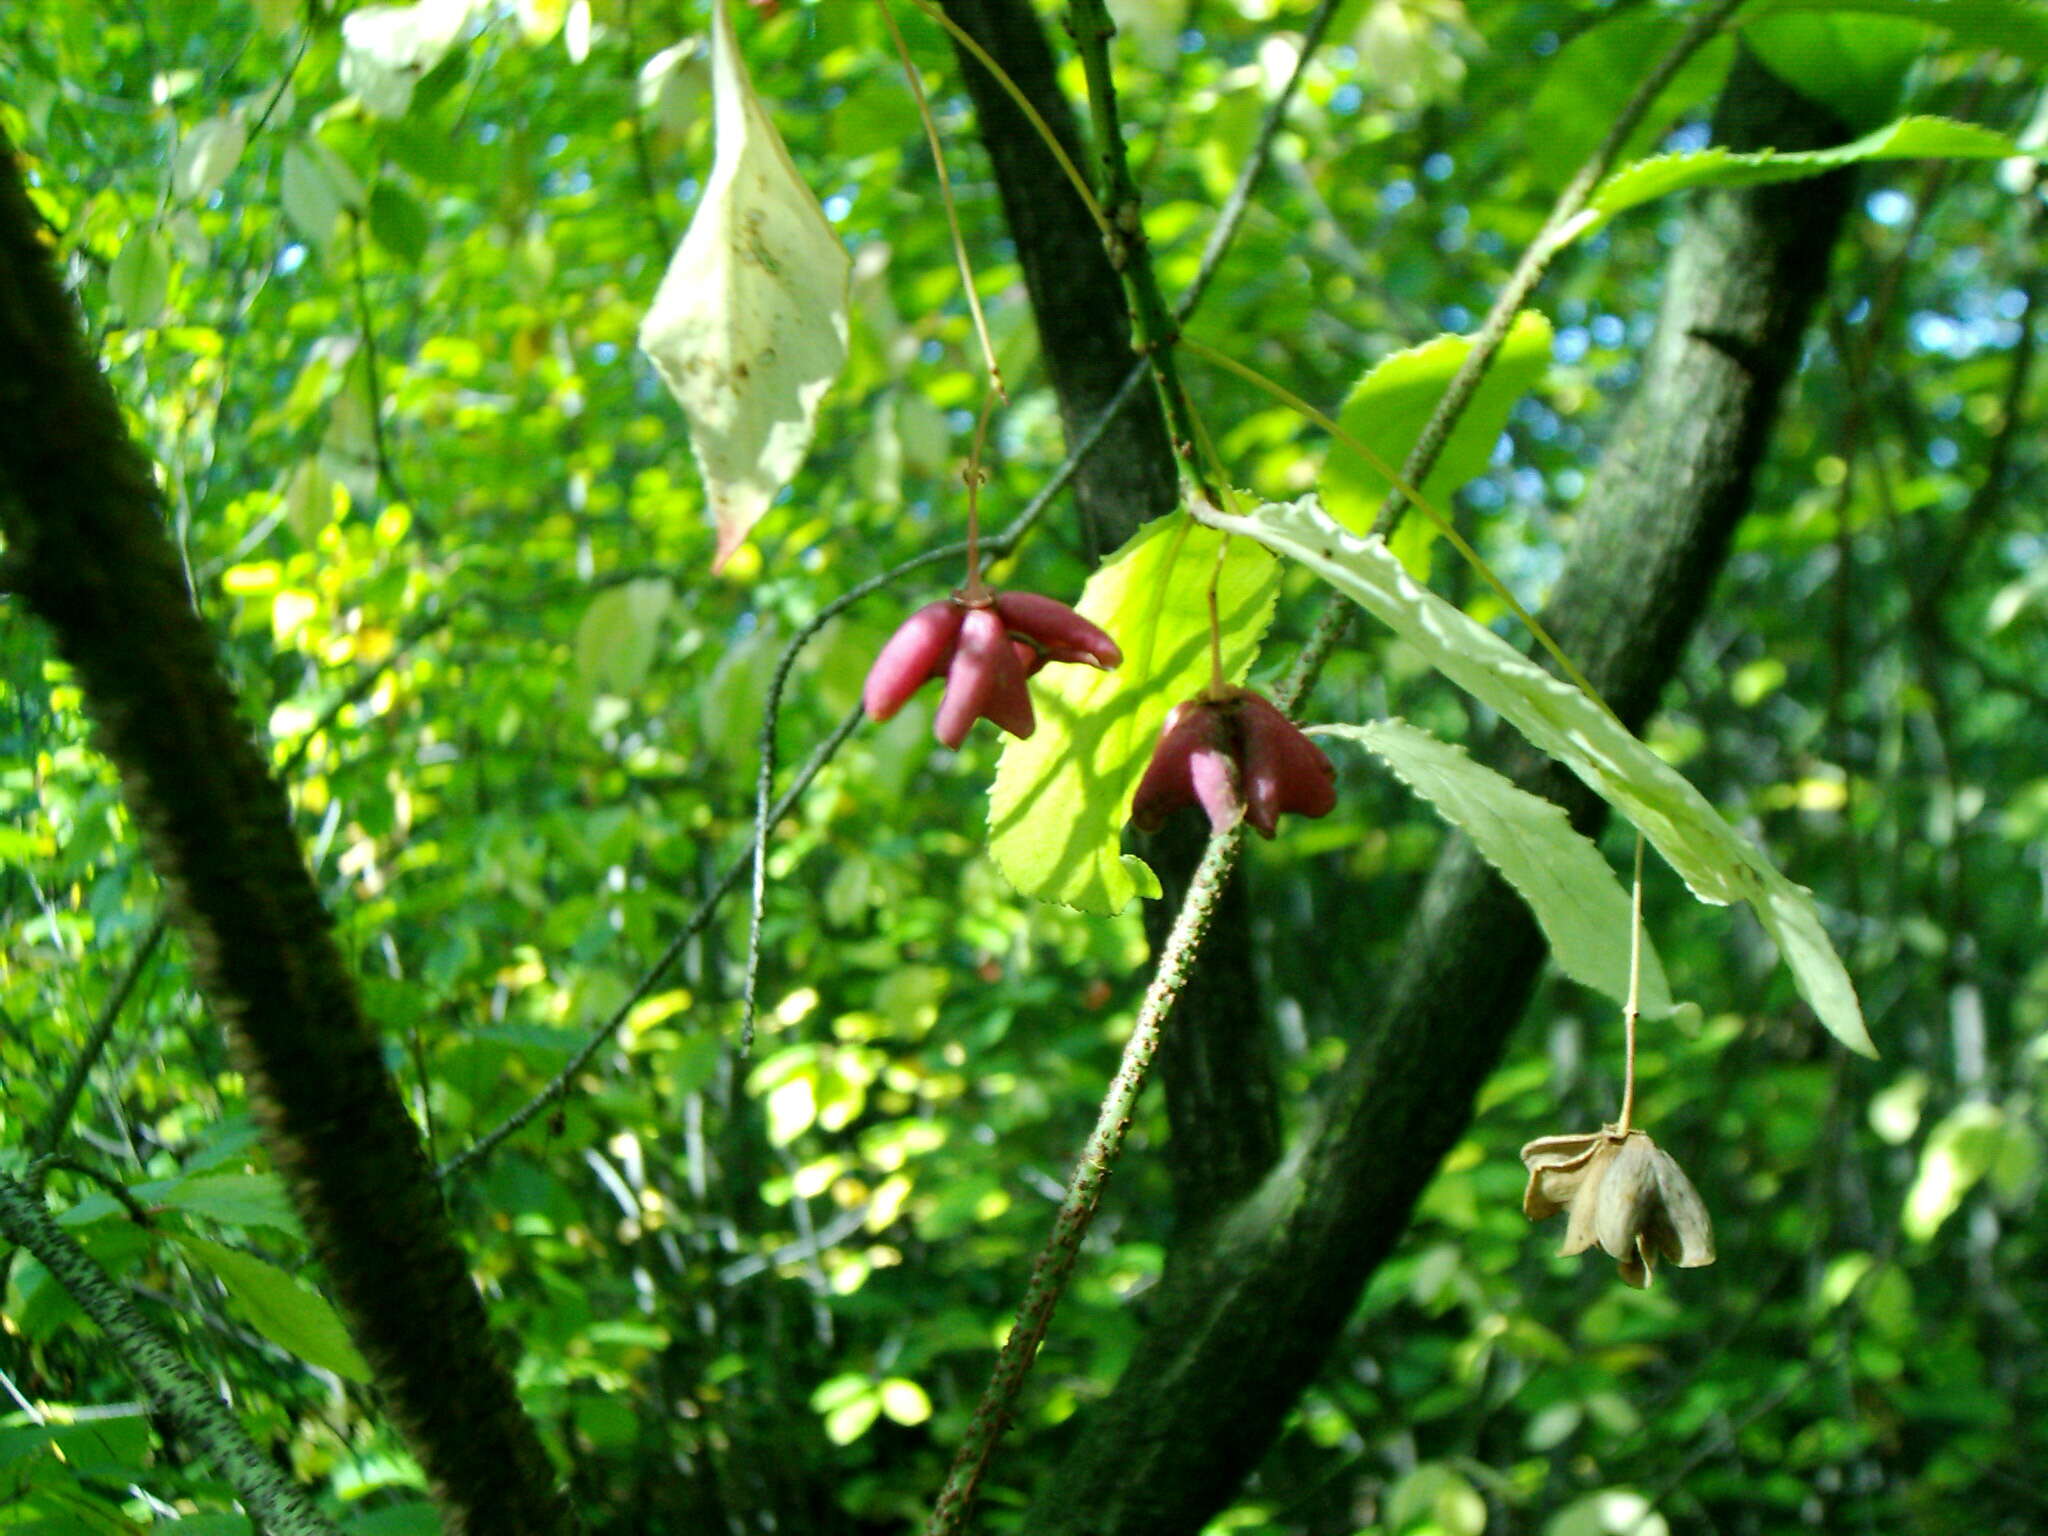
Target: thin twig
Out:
[945,180]
[387,477]
[1084,1190]
[643,161]
[558,1086]
[1239,202]
[121,1194]
[1634,1007]
[1153,328]
[42,1141]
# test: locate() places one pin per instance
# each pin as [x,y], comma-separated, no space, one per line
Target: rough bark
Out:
[1216,1062]
[1241,1328]
[1076,295]
[89,553]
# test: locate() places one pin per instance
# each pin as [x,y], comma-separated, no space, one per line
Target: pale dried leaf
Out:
[749,326]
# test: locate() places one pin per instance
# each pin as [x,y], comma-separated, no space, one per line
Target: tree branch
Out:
[1243,1327]
[83,521]
[178,1392]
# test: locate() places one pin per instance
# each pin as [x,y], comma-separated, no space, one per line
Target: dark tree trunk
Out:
[1242,1326]
[88,552]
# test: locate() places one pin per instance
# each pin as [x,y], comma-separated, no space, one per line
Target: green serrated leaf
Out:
[1910,138]
[1583,910]
[1388,408]
[1718,863]
[398,222]
[291,1315]
[1059,801]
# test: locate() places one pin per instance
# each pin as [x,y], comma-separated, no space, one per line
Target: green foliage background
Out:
[446,525]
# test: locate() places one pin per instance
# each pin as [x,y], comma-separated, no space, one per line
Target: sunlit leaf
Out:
[1610,1512]
[1718,863]
[1438,1498]
[1583,910]
[749,327]
[1060,800]
[904,1401]
[1961,1149]
[139,282]
[1388,408]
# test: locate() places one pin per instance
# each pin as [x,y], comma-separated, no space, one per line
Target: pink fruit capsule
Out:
[984,679]
[1196,731]
[1061,633]
[1234,755]
[920,650]
[1283,769]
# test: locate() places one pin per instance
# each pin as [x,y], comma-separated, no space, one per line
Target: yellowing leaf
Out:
[749,326]
[1388,408]
[1571,889]
[1960,1151]
[1059,802]
[1718,863]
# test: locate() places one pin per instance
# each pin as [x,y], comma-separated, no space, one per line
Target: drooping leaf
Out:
[1960,1151]
[1388,408]
[749,326]
[315,187]
[1060,800]
[1718,863]
[206,156]
[1583,910]
[1910,138]
[289,1314]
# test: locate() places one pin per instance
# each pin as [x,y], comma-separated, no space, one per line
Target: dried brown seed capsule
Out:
[1621,1190]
